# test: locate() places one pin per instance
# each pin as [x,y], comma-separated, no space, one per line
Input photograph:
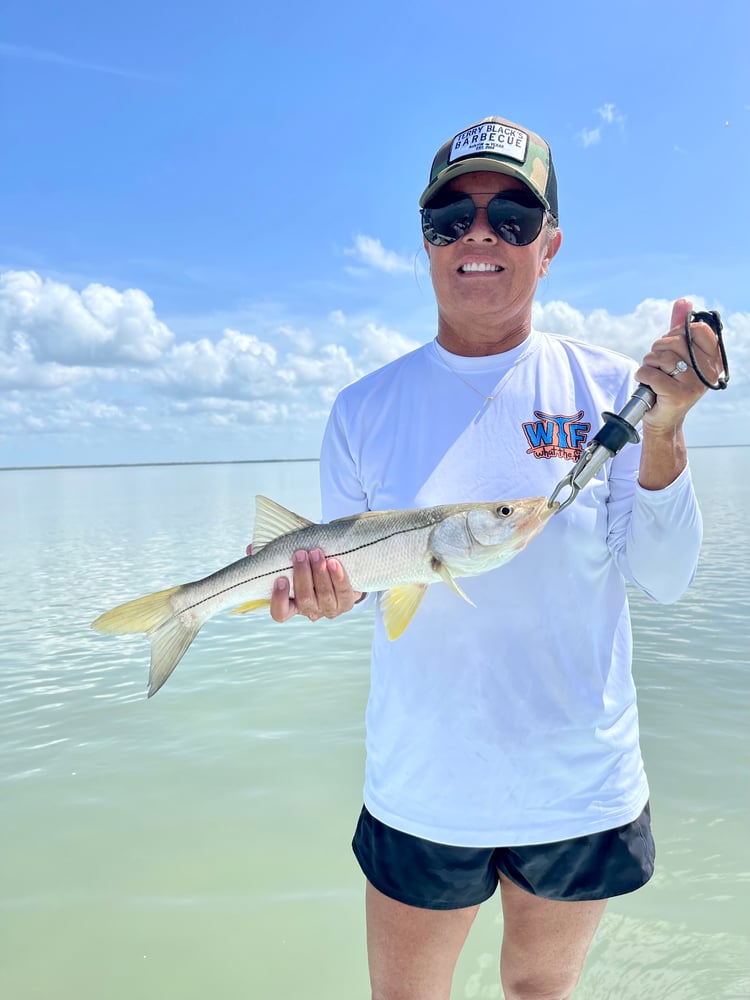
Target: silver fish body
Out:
[400,552]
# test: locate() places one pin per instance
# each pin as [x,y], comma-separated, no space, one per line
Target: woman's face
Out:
[493,304]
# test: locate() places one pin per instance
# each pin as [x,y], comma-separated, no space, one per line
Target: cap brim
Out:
[472,165]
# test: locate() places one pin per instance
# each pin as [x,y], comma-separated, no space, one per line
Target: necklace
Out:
[485,397]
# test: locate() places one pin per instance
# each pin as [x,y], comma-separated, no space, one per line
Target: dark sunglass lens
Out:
[443,224]
[514,222]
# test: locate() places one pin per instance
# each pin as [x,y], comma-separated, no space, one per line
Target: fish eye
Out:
[505,510]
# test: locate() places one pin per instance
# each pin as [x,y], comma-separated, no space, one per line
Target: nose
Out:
[480,229]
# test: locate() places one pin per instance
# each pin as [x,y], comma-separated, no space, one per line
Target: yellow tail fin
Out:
[154,615]
[141,615]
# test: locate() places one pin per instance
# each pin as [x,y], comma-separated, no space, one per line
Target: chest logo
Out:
[556,436]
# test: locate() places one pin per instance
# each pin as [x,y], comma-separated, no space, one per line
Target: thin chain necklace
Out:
[485,397]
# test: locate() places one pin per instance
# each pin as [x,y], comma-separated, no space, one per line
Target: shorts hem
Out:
[578,897]
[421,904]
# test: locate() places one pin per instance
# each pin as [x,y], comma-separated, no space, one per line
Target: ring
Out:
[679,368]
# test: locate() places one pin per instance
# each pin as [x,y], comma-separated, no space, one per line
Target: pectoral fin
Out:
[399,605]
[447,578]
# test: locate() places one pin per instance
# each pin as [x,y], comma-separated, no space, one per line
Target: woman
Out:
[502,742]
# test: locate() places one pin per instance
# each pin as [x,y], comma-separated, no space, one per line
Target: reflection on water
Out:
[199,841]
[636,959]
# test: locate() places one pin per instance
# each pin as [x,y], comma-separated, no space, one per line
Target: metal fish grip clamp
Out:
[620,428]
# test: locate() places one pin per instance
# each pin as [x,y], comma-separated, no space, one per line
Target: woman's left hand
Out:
[677,391]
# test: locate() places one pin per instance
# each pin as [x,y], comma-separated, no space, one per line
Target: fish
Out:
[396,552]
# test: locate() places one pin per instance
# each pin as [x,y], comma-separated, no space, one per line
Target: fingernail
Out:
[334,566]
[300,556]
[281,584]
[316,555]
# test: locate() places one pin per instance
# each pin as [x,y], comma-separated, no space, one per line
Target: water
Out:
[198,843]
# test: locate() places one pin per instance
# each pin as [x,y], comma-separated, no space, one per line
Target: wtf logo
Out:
[555,436]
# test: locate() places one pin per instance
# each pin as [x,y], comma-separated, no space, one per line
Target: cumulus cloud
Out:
[49,323]
[98,363]
[634,333]
[631,334]
[101,357]
[372,253]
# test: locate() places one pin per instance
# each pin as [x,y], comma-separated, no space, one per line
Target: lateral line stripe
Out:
[278,572]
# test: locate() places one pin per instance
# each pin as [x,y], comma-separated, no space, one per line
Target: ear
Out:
[550,249]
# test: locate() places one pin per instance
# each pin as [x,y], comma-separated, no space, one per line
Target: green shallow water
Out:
[198,843]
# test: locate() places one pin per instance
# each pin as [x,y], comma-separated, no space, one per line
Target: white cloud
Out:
[372,253]
[634,333]
[631,334]
[87,368]
[380,345]
[590,136]
[609,115]
[49,322]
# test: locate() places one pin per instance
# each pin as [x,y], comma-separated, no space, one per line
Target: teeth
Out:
[480,267]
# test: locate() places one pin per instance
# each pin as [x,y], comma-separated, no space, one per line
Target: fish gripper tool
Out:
[620,428]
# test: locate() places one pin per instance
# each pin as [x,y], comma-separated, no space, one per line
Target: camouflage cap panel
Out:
[501,145]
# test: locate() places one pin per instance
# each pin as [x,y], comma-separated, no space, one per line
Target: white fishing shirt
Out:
[514,722]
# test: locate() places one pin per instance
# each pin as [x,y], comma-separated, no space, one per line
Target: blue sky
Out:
[208,214]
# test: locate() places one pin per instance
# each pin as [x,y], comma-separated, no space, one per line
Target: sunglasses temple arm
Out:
[618,430]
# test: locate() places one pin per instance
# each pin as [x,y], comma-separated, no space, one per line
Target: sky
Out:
[209,222]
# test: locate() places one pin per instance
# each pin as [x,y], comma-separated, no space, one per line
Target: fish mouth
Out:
[480,267]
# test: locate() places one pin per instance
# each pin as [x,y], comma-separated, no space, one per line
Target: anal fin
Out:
[248,606]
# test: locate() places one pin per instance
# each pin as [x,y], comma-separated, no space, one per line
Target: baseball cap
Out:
[499,145]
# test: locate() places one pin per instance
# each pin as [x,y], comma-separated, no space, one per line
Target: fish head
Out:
[490,534]
[511,523]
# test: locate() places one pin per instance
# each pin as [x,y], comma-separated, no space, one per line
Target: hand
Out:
[675,394]
[321,589]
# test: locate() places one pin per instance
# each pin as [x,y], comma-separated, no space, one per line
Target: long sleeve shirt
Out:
[514,722]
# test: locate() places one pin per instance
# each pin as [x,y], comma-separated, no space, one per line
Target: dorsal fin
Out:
[362,515]
[272,520]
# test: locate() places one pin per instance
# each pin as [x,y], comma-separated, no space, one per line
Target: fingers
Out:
[680,309]
[282,605]
[320,586]
[314,594]
[670,372]
[671,352]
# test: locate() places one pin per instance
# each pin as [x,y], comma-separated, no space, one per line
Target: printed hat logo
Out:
[498,145]
[490,137]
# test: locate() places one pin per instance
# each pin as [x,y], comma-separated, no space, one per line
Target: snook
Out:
[399,552]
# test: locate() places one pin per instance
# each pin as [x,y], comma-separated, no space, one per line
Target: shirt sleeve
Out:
[655,535]
[341,491]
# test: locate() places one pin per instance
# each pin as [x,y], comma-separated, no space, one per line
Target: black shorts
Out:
[439,877]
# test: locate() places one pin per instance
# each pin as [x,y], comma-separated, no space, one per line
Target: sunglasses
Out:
[516,220]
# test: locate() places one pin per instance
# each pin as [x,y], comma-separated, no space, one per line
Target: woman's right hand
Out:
[321,589]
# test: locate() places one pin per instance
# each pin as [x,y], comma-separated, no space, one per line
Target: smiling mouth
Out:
[479,268]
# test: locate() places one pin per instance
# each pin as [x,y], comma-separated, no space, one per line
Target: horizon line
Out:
[145,465]
[231,461]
